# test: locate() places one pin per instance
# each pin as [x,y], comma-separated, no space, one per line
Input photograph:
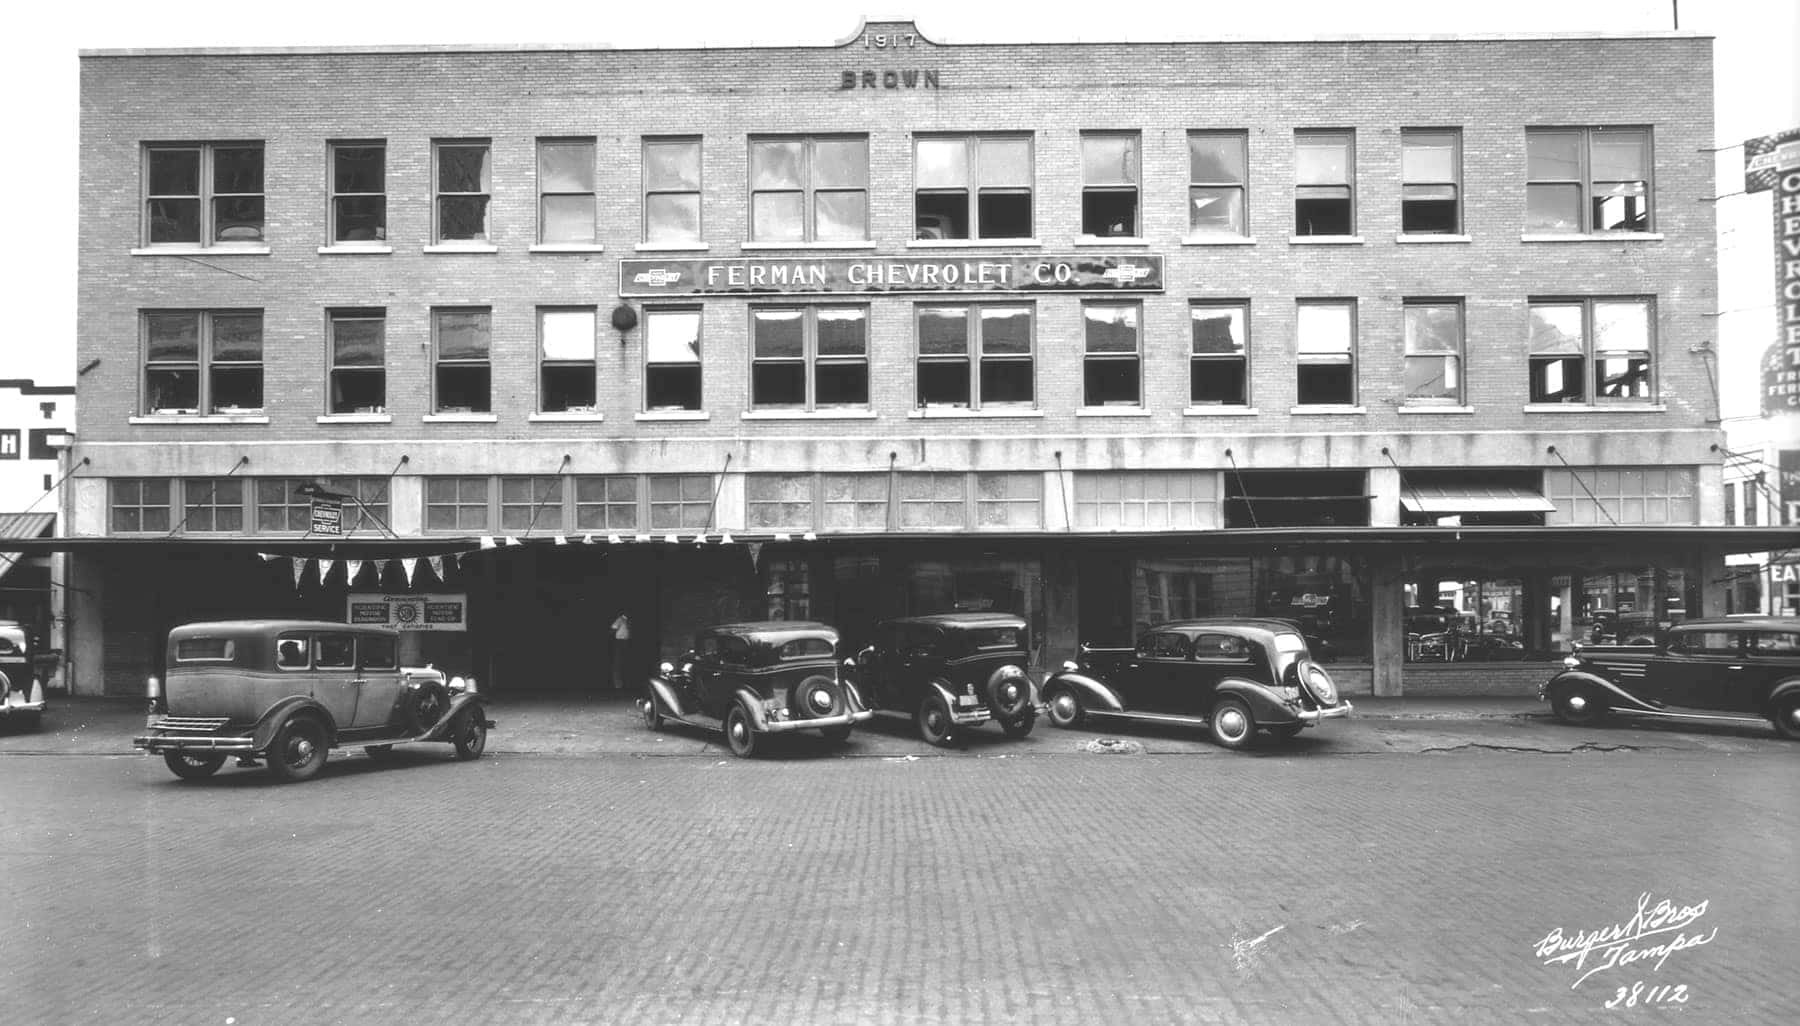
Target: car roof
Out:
[213,628]
[1773,623]
[774,632]
[1244,623]
[963,619]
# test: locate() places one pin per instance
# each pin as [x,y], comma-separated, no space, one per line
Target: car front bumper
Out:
[1311,717]
[843,720]
[17,704]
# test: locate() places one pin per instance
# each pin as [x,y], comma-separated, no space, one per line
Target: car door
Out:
[1769,657]
[1151,680]
[723,661]
[1692,672]
[1215,656]
[378,660]
[334,681]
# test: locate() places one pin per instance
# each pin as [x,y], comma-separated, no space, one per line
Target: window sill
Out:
[186,250]
[1112,411]
[460,247]
[1591,237]
[1325,240]
[756,246]
[807,415]
[974,243]
[351,249]
[461,418]
[199,418]
[1327,410]
[1436,409]
[1220,411]
[1219,240]
[964,413]
[1408,240]
[1643,407]
[565,247]
[566,417]
[357,418]
[671,247]
[1093,241]
[673,415]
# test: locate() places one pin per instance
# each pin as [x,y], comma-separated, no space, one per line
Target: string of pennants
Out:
[409,565]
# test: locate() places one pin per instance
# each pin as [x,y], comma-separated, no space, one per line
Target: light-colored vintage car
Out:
[21,692]
[286,692]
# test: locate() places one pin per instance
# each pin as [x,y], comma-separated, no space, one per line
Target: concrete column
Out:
[1384,507]
[1387,645]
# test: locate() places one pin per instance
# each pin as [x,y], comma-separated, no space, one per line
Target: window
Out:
[139,504]
[213,504]
[456,504]
[1752,504]
[531,503]
[972,187]
[855,501]
[462,374]
[1109,184]
[1010,500]
[203,194]
[1163,645]
[1218,183]
[358,361]
[464,178]
[606,503]
[1731,517]
[1584,180]
[1778,644]
[975,356]
[1431,181]
[1326,347]
[282,508]
[1110,371]
[1219,372]
[779,502]
[681,501]
[672,359]
[808,358]
[809,189]
[565,191]
[1324,180]
[378,652]
[334,651]
[1434,343]
[1613,336]
[1141,499]
[203,360]
[672,190]
[358,192]
[959,500]
[1623,495]
[568,380]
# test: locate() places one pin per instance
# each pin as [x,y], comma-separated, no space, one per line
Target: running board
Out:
[1688,716]
[1187,721]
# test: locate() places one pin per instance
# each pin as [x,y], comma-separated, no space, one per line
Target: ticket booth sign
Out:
[410,612]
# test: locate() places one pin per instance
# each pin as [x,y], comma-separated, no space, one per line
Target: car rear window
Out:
[997,637]
[378,653]
[1723,643]
[204,650]
[806,648]
[1775,643]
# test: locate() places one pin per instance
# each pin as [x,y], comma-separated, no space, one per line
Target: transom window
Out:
[456,504]
[809,357]
[1146,499]
[606,503]
[462,339]
[1110,370]
[463,175]
[975,356]
[1585,180]
[809,189]
[672,359]
[1613,337]
[1434,344]
[1324,183]
[567,376]
[1325,336]
[358,361]
[1431,181]
[528,503]
[1622,495]
[681,501]
[207,361]
[672,190]
[565,170]
[544,504]
[212,504]
[203,194]
[972,187]
[358,192]
[1219,371]
[282,508]
[1110,176]
[1218,183]
[139,504]
[963,500]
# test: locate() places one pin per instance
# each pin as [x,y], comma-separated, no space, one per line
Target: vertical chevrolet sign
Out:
[1773,162]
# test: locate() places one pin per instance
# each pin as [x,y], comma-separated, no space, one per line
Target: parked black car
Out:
[1233,676]
[751,679]
[951,672]
[21,692]
[1733,668]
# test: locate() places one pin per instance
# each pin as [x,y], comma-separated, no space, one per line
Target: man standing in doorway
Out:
[621,628]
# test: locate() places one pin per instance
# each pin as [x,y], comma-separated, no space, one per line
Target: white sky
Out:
[1756,54]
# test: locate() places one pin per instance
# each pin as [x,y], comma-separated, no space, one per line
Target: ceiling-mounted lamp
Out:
[624,318]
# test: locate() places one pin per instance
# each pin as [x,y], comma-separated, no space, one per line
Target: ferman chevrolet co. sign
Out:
[646,279]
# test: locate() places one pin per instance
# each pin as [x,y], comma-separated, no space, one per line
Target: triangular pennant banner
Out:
[487,541]
[562,539]
[755,552]
[352,567]
[299,570]
[266,556]
[513,541]
[408,564]
[725,539]
[672,539]
[437,565]
[810,536]
[325,566]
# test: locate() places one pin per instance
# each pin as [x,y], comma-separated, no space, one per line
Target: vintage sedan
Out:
[951,672]
[750,680]
[21,692]
[1233,676]
[286,692]
[1730,668]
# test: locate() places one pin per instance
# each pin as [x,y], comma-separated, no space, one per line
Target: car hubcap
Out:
[934,722]
[737,731]
[1065,707]
[1232,723]
[1794,715]
[302,749]
[1577,703]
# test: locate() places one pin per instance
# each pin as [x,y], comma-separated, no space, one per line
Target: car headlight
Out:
[1570,662]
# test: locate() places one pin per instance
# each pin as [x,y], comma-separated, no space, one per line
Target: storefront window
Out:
[1449,619]
[1615,607]
[789,589]
[1327,596]
[986,586]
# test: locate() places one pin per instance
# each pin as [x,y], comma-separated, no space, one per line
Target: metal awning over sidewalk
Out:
[22,526]
[1448,499]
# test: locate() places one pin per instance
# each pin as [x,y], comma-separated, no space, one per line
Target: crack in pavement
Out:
[1585,746]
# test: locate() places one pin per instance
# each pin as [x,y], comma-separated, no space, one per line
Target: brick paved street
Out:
[1002,884]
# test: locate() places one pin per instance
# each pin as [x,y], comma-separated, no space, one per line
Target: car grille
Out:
[1623,671]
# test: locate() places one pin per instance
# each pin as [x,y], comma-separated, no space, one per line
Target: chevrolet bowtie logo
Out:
[1125,274]
[658,277]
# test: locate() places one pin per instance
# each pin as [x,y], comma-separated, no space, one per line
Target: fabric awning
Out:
[22,525]
[1473,499]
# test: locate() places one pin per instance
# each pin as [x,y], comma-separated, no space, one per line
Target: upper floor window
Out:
[1110,176]
[1431,181]
[1324,183]
[212,504]
[1587,180]
[672,359]
[568,379]
[809,189]
[531,503]
[1325,337]
[1218,183]
[975,356]
[972,187]
[672,190]
[139,504]
[358,361]
[358,192]
[282,507]
[1110,371]
[1434,345]
[1219,371]
[809,357]
[203,361]
[565,191]
[203,194]
[1612,336]
[457,504]
[463,175]
[462,374]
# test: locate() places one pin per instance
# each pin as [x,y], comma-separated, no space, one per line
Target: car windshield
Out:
[806,648]
[996,637]
[1288,649]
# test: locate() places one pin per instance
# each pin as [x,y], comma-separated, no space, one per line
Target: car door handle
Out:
[359,683]
[1734,667]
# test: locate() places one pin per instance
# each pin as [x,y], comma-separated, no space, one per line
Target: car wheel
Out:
[299,750]
[469,733]
[933,718]
[1786,716]
[836,735]
[193,765]
[1065,708]
[425,706]
[653,717]
[1231,724]
[1578,706]
[1020,726]
[1287,731]
[380,753]
[740,734]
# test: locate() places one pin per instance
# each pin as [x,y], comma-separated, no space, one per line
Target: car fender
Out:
[457,704]
[1782,689]
[944,691]
[1266,706]
[282,711]
[1094,694]
[1616,695]
[667,697]
[853,698]
[753,704]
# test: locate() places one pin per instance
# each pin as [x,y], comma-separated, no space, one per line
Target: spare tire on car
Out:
[423,705]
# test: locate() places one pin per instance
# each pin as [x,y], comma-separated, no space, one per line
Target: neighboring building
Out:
[1762,488]
[1393,337]
[35,426]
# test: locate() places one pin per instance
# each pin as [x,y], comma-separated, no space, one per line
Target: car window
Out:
[1714,643]
[1220,646]
[1163,645]
[806,648]
[290,653]
[379,652]
[205,650]
[997,637]
[334,651]
[1775,643]
[726,649]
[920,641]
